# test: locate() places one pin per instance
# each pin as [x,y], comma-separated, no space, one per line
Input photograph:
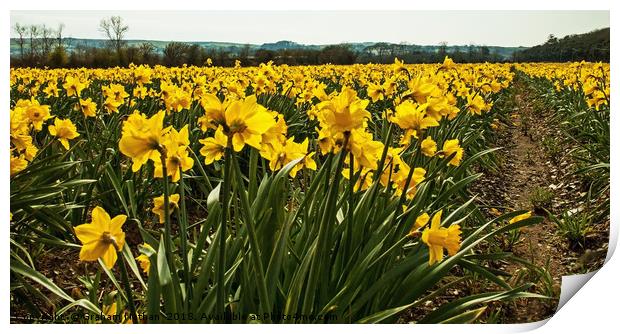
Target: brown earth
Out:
[529,167]
[536,168]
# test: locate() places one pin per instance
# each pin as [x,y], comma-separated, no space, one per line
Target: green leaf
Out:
[84,303]
[117,186]
[163,271]
[21,269]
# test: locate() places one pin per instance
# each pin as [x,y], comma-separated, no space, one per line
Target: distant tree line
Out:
[383,53]
[179,53]
[592,46]
[41,46]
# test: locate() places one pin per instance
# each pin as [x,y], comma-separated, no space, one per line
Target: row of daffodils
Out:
[312,194]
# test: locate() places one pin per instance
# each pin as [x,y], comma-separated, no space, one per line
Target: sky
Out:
[493,28]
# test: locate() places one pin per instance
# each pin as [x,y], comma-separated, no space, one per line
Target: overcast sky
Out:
[502,28]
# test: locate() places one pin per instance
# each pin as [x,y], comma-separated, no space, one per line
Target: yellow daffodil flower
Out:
[452,147]
[64,130]
[101,238]
[158,206]
[437,238]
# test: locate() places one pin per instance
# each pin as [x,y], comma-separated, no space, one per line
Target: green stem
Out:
[403,196]
[128,289]
[167,223]
[256,254]
[183,231]
[202,170]
[168,243]
[224,194]
[322,241]
[349,226]
[253,177]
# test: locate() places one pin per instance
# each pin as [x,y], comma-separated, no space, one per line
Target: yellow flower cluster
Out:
[27,118]
[362,111]
[145,139]
[592,79]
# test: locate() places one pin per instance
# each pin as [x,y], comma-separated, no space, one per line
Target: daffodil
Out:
[73,86]
[111,105]
[177,160]
[246,121]
[365,150]
[145,262]
[344,112]
[21,141]
[398,66]
[142,75]
[214,147]
[140,92]
[438,238]
[115,92]
[597,99]
[428,146]
[392,165]
[215,112]
[448,64]
[36,113]
[179,101]
[64,130]
[325,141]
[412,118]
[421,88]
[439,107]
[101,238]
[141,138]
[177,157]
[363,182]
[20,124]
[158,206]
[319,92]
[375,92]
[422,220]
[88,107]
[280,154]
[419,223]
[277,132]
[400,180]
[389,87]
[51,89]
[109,310]
[18,163]
[476,104]
[452,147]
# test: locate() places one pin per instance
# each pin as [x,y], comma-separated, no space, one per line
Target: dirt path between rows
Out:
[539,244]
[529,174]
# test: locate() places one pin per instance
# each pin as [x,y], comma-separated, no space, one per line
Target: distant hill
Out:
[236,48]
[591,46]
[71,44]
